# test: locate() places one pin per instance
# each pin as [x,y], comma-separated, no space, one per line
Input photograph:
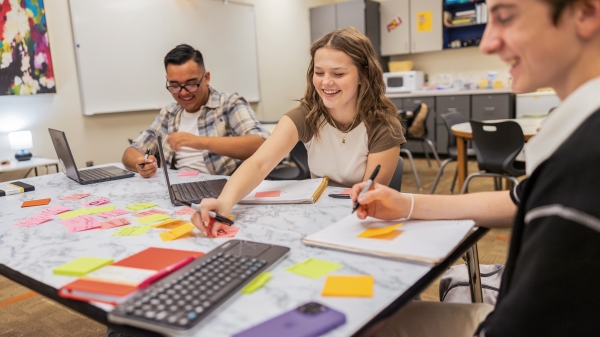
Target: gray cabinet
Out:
[460,103]
[497,106]
[322,21]
[397,41]
[425,26]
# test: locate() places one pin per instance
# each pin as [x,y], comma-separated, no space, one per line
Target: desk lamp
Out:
[20,141]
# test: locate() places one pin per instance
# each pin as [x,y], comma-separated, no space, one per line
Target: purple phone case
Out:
[297,324]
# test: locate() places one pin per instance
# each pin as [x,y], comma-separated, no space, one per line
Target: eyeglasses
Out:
[176,88]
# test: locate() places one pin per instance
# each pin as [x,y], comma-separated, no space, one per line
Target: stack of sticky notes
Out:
[382,233]
[81,266]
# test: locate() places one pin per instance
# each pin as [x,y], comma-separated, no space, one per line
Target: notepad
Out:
[420,241]
[287,192]
[170,224]
[177,232]
[101,209]
[140,206]
[132,231]
[81,266]
[348,286]
[152,218]
[314,268]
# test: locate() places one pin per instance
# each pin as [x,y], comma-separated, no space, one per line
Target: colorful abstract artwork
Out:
[25,62]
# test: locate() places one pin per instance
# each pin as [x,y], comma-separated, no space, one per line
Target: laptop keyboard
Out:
[181,300]
[95,174]
[194,191]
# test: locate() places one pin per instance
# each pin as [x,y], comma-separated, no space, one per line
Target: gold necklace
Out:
[345,133]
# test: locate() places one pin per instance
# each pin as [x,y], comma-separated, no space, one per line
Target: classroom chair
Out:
[298,171]
[498,145]
[404,120]
[451,118]
[396,182]
[423,138]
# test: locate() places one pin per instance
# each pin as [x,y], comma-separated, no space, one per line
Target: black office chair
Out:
[396,182]
[423,139]
[404,121]
[498,145]
[300,171]
[451,118]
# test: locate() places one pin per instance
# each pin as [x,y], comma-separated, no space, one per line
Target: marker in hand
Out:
[366,187]
[215,215]
[145,157]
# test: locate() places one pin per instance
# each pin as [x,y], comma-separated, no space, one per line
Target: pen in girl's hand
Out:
[145,157]
[367,186]
[215,215]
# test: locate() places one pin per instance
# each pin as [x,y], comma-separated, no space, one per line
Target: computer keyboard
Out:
[194,191]
[177,304]
[95,174]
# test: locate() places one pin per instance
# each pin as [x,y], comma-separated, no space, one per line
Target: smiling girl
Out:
[345,121]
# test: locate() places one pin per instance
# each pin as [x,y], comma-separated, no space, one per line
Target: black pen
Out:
[215,215]
[145,157]
[366,187]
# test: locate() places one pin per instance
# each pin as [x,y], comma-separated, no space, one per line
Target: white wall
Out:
[283,38]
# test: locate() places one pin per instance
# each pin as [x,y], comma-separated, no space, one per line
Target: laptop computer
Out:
[86,176]
[192,192]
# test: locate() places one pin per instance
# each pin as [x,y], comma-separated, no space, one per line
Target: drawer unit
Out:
[498,106]
[397,102]
[460,103]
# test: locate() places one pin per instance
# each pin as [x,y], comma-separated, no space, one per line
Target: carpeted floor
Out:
[25,313]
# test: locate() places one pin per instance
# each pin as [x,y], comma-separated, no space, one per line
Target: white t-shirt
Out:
[188,158]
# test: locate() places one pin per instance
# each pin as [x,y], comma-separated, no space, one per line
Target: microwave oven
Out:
[403,81]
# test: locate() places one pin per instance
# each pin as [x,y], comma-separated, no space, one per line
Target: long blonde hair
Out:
[372,104]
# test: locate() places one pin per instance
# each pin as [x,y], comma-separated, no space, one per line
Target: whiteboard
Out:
[120,46]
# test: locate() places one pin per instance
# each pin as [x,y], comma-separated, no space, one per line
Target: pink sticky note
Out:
[115,223]
[267,194]
[75,196]
[114,213]
[346,191]
[191,173]
[81,223]
[225,231]
[55,210]
[96,202]
[150,212]
[34,220]
[185,210]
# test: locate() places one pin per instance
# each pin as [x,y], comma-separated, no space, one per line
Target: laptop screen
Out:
[164,168]
[65,157]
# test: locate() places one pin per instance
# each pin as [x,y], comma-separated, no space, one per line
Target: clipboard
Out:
[271,192]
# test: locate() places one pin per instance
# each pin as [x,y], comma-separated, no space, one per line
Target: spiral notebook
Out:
[287,192]
[425,241]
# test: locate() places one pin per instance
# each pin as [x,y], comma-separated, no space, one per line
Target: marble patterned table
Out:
[28,255]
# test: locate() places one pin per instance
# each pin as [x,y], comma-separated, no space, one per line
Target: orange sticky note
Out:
[348,286]
[377,232]
[267,194]
[170,224]
[177,232]
[38,202]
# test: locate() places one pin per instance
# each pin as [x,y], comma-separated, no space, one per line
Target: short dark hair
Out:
[183,53]
[558,7]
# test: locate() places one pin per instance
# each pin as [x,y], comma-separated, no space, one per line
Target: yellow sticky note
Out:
[257,283]
[424,21]
[348,286]
[314,268]
[152,218]
[81,266]
[101,209]
[72,214]
[132,230]
[170,224]
[376,231]
[140,206]
[177,232]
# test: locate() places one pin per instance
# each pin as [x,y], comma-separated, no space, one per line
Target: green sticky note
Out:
[81,266]
[257,283]
[140,206]
[101,209]
[314,268]
[152,218]
[72,214]
[132,230]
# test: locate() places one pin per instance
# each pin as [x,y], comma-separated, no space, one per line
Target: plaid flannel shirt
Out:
[224,115]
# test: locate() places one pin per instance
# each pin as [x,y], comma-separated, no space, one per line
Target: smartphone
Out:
[308,320]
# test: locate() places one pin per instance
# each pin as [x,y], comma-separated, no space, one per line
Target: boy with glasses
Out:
[205,130]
